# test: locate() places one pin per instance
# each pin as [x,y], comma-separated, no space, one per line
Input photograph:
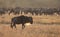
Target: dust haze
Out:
[30,3]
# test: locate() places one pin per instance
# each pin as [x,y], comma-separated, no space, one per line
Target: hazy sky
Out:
[30,3]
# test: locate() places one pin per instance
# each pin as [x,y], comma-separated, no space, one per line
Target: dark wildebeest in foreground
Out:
[21,20]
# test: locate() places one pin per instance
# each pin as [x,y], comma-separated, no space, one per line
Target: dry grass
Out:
[36,19]
[30,31]
[34,30]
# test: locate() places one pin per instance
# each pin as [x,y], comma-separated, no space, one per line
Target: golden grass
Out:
[34,30]
[39,19]
[30,31]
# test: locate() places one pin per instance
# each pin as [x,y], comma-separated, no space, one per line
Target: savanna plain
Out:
[43,26]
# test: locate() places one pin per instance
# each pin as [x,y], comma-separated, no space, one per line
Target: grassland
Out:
[43,26]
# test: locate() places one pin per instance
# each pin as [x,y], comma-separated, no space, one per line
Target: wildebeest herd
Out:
[21,20]
[36,11]
[24,19]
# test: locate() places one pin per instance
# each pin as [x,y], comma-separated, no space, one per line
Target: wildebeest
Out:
[21,20]
[2,11]
[26,10]
[15,11]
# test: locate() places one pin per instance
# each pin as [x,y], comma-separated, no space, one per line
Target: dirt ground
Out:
[40,28]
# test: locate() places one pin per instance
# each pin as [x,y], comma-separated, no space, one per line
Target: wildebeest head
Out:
[30,20]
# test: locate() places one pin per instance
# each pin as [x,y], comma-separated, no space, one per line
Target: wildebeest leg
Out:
[11,25]
[9,13]
[21,12]
[23,26]
[14,25]
[32,13]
